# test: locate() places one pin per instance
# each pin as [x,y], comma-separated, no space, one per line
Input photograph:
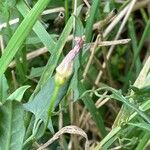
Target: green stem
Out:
[143,141]
[52,101]
[109,136]
[35,130]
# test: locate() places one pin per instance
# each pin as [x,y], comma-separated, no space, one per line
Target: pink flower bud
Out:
[65,69]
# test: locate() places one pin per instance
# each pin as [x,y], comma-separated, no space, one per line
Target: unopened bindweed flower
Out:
[65,69]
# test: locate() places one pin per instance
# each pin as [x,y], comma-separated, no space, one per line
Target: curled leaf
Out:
[70,130]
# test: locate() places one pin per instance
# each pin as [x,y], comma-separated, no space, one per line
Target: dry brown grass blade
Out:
[68,129]
[142,76]
[87,3]
[115,42]
[43,50]
[141,4]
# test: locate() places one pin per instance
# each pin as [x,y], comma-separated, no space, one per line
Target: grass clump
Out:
[75,67]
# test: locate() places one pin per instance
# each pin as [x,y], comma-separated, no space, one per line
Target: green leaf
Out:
[107,7]
[3,89]
[39,106]
[18,94]
[12,128]
[142,125]
[109,138]
[141,43]
[21,33]
[132,34]
[141,91]
[143,141]
[91,19]
[79,28]
[36,72]
[38,28]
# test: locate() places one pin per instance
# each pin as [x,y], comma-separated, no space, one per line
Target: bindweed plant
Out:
[74,67]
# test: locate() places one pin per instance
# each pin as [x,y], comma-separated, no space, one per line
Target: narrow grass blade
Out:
[143,125]
[38,28]
[132,34]
[108,138]
[143,142]
[91,19]
[145,33]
